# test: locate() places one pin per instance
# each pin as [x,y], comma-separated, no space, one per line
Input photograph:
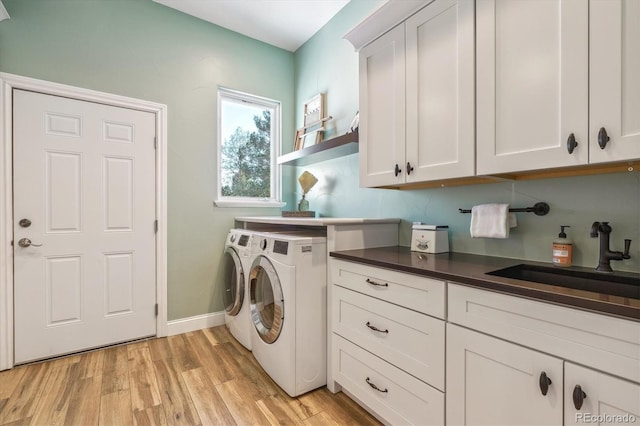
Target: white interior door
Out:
[84,177]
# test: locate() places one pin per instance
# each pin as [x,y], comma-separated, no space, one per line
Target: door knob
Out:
[25,242]
[24,223]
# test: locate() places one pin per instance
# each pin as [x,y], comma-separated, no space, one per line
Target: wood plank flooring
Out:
[199,378]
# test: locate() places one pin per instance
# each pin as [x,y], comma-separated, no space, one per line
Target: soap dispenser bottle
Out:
[562,249]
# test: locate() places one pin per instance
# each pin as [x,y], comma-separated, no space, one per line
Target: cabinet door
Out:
[382,110]
[604,399]
[493,382]
[614,83]
[532,84]
[440,91]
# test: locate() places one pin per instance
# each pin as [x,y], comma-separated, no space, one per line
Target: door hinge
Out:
[157,309]
[155,142]
[155,226]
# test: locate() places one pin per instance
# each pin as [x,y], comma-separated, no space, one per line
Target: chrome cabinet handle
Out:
[374,328]
[25,242]
[375,283]
[373,385]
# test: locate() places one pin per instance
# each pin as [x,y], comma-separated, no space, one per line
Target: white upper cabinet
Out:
[463,88]
[417,98]
[532,84]
[614,103]
[440,140]
[382,110]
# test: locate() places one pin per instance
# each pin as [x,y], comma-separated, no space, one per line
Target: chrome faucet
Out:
[606,255]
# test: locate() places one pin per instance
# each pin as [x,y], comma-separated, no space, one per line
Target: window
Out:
[248,141]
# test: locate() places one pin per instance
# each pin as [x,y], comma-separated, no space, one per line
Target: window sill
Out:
[248,203]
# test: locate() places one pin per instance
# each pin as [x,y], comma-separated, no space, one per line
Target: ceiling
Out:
[283,23]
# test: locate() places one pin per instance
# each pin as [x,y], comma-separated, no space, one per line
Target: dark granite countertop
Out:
[470,269]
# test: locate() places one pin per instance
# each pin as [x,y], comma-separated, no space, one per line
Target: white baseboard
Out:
[198,322]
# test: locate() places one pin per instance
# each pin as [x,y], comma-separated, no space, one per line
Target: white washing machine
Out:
[288,300]
[236,266]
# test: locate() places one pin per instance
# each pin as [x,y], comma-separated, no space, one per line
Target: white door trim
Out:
[8,82]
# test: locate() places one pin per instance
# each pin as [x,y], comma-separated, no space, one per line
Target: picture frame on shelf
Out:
[312,138]
[298,141]
[312,131]
[314,111]
[305,140]
[355,123]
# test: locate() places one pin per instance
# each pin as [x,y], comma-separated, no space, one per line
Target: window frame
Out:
[226,94]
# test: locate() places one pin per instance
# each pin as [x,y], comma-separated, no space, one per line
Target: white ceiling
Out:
[283,23]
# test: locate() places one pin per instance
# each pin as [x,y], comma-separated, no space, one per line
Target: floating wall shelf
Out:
[326,150]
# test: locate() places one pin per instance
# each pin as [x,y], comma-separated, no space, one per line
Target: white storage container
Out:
[430,239]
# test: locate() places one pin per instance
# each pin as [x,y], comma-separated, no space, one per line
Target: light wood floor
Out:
[204,377]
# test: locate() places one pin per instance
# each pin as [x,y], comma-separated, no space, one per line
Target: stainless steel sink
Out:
[627,285]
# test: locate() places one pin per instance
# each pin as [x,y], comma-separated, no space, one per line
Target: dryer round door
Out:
[233,282]
[267,306]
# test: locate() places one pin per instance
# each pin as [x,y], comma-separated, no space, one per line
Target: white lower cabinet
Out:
[388,342]
[399,335]
[592,397]
[504,351]
[493,382]
[392,394]
[507,360]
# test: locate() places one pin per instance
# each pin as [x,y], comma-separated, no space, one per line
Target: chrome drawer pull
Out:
[375,283]
[374,328]
[376,387]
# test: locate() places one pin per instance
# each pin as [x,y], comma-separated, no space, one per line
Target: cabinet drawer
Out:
[421,294]
[400,398]
[606,343]
[407,339]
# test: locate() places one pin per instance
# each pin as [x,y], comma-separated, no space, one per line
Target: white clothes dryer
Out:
[288,301]
[236,264]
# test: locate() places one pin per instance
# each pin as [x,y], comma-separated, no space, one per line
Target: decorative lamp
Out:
[307,181]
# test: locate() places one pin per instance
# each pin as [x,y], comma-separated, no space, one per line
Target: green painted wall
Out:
[144,50]
[327,63]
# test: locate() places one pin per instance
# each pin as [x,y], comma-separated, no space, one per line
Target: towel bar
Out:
[540,209]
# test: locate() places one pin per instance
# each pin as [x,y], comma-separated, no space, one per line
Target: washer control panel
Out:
[280,247]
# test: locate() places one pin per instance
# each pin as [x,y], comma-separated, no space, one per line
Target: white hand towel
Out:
[491,221]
